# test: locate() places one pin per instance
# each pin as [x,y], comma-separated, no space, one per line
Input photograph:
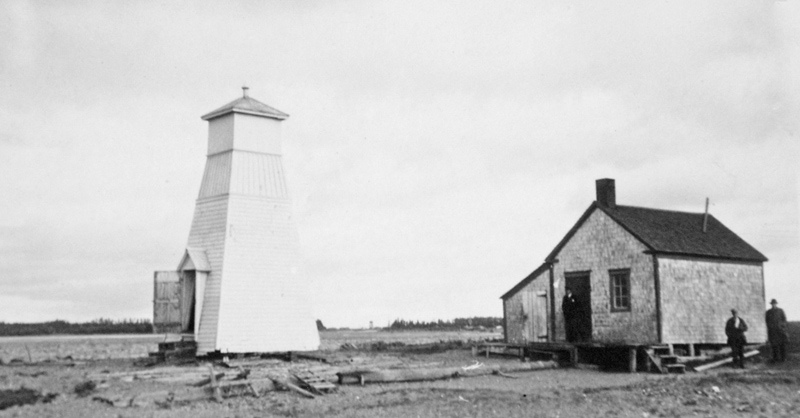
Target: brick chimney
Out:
[606,194]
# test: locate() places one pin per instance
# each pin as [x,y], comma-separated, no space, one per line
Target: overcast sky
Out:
[436,151]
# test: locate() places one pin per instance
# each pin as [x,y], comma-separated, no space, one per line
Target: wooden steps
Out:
[676,368]
[664,361]
[175,351]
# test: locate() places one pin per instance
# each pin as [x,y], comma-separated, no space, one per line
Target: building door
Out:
[534,307]
[167,302]
[582,289]
[540,316]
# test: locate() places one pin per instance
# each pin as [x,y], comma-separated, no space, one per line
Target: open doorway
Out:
[581,287]
[188,301]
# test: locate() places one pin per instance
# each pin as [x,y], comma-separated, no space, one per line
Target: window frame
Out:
[613,297]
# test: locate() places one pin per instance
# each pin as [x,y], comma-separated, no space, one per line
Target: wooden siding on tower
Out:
[257,134]
[260,175]
[697,296]
[264,306]
[217,176]
[220,134]
[246,173]
[209,227]
[600,245]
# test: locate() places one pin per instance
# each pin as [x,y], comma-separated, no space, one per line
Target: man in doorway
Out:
[570,308]
[735,329]
[776,332]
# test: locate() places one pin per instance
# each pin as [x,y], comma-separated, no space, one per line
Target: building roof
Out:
[674,233]
[194,259]
[249,106]
[531,277]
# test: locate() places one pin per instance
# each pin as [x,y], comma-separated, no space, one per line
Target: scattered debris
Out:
[348,347]
[286,385]
[472,367]
[207,380]
[313,382]
[243,373]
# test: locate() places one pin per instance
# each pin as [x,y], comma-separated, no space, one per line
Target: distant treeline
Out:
[458,323]
[98,326]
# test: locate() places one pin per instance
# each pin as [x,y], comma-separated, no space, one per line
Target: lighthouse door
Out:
[166,302]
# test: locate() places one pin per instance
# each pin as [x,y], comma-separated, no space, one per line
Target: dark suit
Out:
[776,332]
[570,308]
[736,339]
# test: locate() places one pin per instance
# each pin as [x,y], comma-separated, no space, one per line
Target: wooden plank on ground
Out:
[723,361]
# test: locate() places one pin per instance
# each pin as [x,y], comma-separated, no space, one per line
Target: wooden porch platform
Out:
[631,357]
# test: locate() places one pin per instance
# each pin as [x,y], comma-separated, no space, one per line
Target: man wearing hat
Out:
[570,308]
[776,331]
[735,329]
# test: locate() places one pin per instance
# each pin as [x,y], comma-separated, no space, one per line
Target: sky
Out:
[436,152]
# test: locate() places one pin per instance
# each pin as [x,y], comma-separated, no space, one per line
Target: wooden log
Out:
[413,375]
[723,361]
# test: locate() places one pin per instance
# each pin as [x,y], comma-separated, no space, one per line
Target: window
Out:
[620,290]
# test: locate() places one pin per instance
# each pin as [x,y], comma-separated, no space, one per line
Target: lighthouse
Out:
[239,287]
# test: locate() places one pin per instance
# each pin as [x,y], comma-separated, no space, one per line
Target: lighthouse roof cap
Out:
[249,106]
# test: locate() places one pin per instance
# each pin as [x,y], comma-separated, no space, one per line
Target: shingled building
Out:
[644,277]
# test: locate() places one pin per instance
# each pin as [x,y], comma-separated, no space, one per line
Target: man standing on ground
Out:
[776,332]
[569,306]
[735,329]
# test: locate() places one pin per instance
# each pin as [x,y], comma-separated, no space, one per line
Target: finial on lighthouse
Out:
[244,91]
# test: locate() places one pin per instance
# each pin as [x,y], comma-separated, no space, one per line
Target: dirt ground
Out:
[762,390]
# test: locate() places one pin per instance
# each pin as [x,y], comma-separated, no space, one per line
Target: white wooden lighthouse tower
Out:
[239,283]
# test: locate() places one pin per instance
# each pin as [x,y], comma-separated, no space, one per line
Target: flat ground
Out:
[762,390]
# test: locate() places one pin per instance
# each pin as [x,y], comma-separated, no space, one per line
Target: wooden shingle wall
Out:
[599,246]
[697,296]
